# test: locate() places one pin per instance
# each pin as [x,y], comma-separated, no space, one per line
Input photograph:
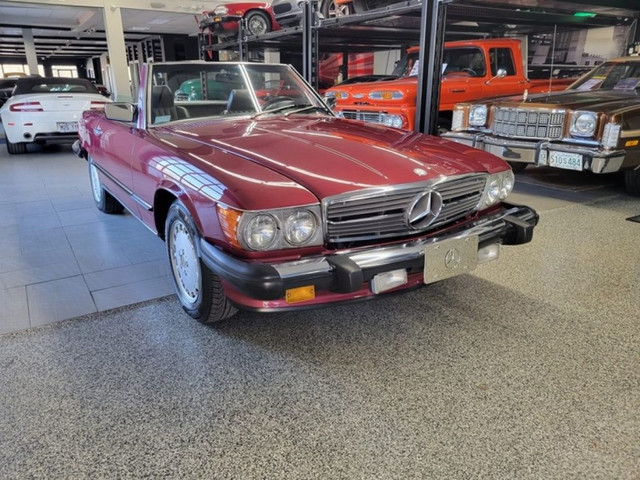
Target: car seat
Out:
[162,107]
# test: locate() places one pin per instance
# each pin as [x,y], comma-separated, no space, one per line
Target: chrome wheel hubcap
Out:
[338,10]
[257,26]
[184,262]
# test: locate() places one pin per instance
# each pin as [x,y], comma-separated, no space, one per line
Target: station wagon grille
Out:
[527,123]
[370,117]
[383,212]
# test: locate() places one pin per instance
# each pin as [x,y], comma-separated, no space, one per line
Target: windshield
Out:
[181,91]
[53,85]
[614,75]
[462,60]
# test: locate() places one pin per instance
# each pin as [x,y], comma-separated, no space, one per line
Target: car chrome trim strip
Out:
[629,133]
[129,192]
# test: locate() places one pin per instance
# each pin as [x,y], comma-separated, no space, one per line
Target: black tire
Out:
[105,202]
[258,23]
[16,148]
[632,182]
[331,10]
[199,290]
[517,166]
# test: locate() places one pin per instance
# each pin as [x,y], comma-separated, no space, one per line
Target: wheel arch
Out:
[163,199]
[270,17]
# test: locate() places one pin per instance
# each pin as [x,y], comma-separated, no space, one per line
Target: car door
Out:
[113,142]
[512,83]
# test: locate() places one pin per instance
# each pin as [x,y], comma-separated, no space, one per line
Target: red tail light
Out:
[97,105]
[26,107]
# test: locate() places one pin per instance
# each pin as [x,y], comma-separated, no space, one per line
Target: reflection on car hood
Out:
[326,155]
[596,100]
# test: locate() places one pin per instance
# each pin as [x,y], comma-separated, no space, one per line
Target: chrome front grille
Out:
[369,117]
[526,123]
[383,212]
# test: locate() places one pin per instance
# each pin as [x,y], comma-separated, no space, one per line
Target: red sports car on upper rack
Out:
[260,17]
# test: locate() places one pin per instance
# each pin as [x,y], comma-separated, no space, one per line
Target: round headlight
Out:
[299,227]
[220,10]
[583,124]
[478,115]
[260,232]
[493,191]
[508,180]
[392,120]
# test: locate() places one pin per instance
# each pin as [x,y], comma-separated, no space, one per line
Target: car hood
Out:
[326,155]
[596,100]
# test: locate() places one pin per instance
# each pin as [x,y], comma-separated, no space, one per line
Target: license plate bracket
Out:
[449,258]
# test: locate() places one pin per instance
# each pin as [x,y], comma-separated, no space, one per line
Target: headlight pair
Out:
[272,230]
[498,187]
[389,120]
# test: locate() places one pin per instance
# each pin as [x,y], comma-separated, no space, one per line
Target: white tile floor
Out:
[59,256]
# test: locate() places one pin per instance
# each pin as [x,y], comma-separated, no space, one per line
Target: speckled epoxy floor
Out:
[526,369]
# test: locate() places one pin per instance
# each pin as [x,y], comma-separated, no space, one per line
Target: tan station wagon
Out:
[593,125]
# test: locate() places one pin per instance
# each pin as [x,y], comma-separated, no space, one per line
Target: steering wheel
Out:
[470,71]
[275,100]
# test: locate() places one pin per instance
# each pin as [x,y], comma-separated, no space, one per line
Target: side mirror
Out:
[120,111]
[501,73]
[330,100]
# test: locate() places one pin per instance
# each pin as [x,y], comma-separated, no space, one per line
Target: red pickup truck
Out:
[471,69]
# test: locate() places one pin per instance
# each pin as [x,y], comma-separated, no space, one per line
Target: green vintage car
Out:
[594,125]
[218,88]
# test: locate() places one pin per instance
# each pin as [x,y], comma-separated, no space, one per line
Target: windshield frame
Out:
[246,69]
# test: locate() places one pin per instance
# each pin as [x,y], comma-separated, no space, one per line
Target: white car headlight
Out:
[299,227]
[478,115]
[386,95]
[392,120]
[260,232]
[508,181]
[499,186]
[221,10]
[583,124]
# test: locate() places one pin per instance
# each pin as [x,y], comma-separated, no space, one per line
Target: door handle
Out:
[97,131]
[458,91]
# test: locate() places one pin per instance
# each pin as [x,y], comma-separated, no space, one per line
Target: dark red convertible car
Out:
[267,201]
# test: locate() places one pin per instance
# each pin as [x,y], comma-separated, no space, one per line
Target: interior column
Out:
[118,68]
[30,50]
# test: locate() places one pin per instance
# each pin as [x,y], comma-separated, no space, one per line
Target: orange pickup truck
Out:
[471,69]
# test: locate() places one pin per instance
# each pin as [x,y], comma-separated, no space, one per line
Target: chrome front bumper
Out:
[347,270]
[537,152]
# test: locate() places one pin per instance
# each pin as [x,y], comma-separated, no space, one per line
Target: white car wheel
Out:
[185,263]
[199,290]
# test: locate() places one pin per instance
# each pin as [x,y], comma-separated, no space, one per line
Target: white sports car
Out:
[47,110]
